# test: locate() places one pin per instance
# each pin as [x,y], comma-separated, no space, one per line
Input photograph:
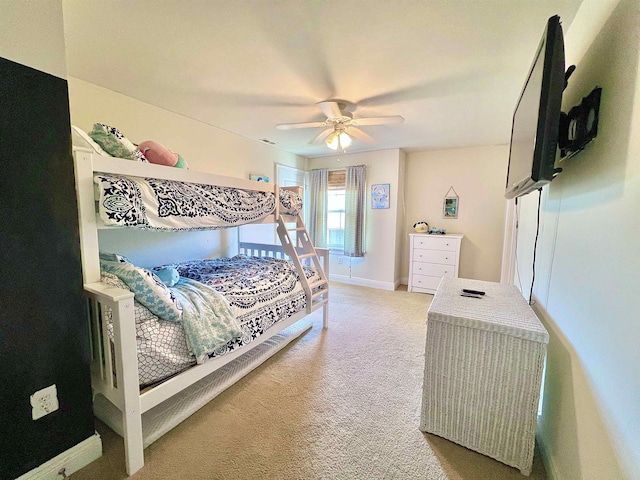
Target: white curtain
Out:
[318,197]
[355,201]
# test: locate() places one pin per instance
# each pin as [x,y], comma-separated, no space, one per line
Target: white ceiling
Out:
[452,68]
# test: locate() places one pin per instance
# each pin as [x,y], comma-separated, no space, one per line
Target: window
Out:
[335,220]
[336,211]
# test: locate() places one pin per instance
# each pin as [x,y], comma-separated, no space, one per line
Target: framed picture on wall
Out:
[450,204]
[450,207]
[380,196]
[258,178]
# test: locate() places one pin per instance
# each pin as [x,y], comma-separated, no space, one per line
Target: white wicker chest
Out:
[483,370]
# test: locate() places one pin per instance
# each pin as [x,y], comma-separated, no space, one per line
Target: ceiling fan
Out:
[341,125]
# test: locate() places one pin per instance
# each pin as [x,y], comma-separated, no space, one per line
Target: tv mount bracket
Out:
[579,126]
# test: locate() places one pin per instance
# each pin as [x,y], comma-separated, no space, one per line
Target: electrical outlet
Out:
[44,402]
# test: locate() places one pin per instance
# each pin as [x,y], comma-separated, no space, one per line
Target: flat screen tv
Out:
[534,130]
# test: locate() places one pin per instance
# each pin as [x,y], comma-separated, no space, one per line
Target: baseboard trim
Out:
[71,461]
[362,282]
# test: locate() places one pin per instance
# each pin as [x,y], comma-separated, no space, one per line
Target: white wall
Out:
[478,175]
[378,267]
[588,267]
[31,33]
[401,221]
[204,147]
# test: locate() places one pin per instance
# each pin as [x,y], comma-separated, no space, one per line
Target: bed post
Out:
[87,213]
[127,375]
[324,253]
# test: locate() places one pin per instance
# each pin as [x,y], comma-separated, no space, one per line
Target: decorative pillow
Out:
[80,138]
[157,153]
[147,288]
[113,257]
[114,142]
[161,155]
[182,163]
[168,275]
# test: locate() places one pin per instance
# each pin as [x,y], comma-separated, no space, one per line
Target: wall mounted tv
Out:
[534,130]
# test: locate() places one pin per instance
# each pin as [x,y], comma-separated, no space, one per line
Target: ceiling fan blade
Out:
[322,135]
[291,126]
[377,120]
[360,135]
[330,109]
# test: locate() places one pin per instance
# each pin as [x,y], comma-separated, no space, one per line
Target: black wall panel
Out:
[44,337]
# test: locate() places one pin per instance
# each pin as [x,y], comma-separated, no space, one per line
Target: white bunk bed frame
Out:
[141,417]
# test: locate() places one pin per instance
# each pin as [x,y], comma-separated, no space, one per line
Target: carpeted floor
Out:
[337,404]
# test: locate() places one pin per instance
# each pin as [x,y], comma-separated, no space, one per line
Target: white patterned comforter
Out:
[169,205]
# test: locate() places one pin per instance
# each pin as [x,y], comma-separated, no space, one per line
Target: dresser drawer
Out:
[435,256]
[436,243]
[425,281]
[433,269]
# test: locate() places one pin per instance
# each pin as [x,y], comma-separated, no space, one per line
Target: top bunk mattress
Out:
[157,204]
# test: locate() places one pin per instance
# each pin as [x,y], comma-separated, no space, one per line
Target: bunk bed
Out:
[142,408]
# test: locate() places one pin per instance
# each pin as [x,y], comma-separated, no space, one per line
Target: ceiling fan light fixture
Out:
[337,122]
[345,140]
[338,139]
[333,141]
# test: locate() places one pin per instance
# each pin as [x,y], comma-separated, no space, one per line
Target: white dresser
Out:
[431,258]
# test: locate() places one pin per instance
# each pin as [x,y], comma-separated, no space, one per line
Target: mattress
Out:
[167,205]
[260,291]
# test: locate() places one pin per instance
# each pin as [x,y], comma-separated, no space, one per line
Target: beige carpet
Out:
[337,404]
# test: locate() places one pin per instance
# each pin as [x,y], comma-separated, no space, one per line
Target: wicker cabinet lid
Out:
[502,309]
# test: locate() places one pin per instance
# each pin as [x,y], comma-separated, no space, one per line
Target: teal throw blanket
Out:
[208,320]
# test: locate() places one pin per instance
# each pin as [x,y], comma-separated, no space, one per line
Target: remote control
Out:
[474,292]
[470,295]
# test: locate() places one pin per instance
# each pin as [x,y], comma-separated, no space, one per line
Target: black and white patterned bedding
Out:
[261,292]
[169,205]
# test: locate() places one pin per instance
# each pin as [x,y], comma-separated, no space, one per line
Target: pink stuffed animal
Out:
[161,155]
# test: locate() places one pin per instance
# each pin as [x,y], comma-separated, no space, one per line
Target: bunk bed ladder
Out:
[302,252]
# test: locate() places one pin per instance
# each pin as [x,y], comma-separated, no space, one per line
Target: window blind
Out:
[337,179]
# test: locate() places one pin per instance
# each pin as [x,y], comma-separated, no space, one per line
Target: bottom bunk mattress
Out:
[260,292]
